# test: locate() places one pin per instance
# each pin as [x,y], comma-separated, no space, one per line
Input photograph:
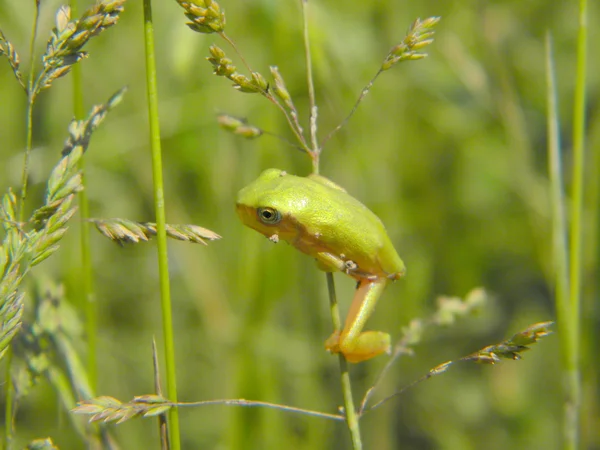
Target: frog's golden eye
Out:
[268,216]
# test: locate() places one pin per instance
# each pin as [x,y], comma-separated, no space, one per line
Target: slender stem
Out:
[28,147]
[255,403]
[88,302]
[350,411]
[292,118]
[161,236]
[560,234]
[30,100]
[401,348]
[311,84]
[10,399]
[360,98]
[89,294]
[432,373]
[235,49]
[283,139]
[291,121]
[162,418]
[574,320]
[8,387]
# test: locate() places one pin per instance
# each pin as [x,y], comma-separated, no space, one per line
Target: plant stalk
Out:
[311,89]
[349,410]
[161,236]
[30,100]
[573,323]
[560,236]
[8,387]
[88,298]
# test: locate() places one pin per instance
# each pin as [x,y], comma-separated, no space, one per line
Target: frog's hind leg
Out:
[351,341]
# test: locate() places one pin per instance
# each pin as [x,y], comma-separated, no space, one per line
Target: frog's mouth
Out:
[246,214]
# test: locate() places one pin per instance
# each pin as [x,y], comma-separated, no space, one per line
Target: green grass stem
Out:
[8,387]
[10,399]
[30,100]
[560,236]
[161,236]
[88,302]
[311,90]
[349,410]
[573,322]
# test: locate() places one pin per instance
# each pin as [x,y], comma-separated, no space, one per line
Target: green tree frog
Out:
[321,219]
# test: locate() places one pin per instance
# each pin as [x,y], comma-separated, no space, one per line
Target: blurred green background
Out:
[450,152]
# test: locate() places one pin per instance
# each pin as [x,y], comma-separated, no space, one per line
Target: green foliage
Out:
[447,151]
[23,250]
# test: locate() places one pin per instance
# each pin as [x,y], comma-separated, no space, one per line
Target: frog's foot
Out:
[366,346]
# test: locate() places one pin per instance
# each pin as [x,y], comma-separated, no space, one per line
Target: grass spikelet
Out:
[41,444]
[419,36]
[109,409]
[6,48]
[22,249]
[11,313]
[205,16]
[281,90]
[68,37]
[513,347]
[223,67]
[124,231]
[80,131]
[238,126]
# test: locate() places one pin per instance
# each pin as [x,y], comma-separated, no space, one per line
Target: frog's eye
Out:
[269,216]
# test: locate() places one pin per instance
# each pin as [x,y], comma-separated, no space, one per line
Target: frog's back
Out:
[339,221]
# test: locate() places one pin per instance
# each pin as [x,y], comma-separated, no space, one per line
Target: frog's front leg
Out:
[329,262]
[351,341]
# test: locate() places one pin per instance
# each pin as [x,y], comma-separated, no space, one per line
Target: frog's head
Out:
[264,206]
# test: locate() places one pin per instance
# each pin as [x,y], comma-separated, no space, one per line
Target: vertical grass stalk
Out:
[559,230]
[88,299]
[8,387]
[573,323]
[9,393]
[161,236]
[311,90]
[349,410]
[30,100]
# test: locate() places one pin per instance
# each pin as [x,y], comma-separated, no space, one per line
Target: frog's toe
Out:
[332,344]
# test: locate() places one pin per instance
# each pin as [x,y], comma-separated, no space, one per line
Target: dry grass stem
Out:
[508,349]
[109,409]
[419,35]
[448,311]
